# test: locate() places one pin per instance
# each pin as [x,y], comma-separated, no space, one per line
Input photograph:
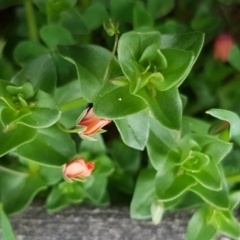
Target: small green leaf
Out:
[5,95]
[122,10]
[161,8]
[51,147]
[95,148]
[15,138]
[103,166]
[10,117]
[95,187]
[141,18]
[27,51]
[100,15]
[230,117]
[54,8]
[73,21]
[111,27]
[144,195]
[116,102]
[199,228]
[54,35]
[234,57]
[6,228]
[134,130]
[41,112]
[40,72]
[131,46]
[63,194]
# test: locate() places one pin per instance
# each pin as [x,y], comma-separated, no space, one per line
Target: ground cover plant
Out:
[162,77]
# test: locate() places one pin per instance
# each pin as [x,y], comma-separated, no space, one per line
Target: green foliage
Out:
[7,231]
[161,149]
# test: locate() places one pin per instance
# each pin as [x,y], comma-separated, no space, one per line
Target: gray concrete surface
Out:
[93,223]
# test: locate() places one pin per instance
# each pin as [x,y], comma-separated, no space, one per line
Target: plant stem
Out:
[73,104]
[2,168]
[233,178]
[32,27]
[112,55]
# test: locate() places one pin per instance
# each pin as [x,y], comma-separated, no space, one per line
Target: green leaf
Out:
[116,102]
[234,57]
[100,15]
[6,228]
[95,187]
[71,103]
[217,149]
[161,8]
[54,35]
[188,41]
[170,184]
[63,194]
[91,63]
[144,195]
[66,71]
[134,130]
[216,71]
[172,26]
[166,107]
[27,51]
[18,189]
[51,147]
[43,113]
[196,125]
[234,199]
[50,174]
[54,8]
[230,117]
[95,148]
[40,72]
[216,198]
[189,200]
[131,46]
[209,176]
[199,228]
[141,18]
[5,96]
[125,158]
[15,138]
[121,11]
[158,146]
[226,223]
[74,22]
[179,65]
[103,166]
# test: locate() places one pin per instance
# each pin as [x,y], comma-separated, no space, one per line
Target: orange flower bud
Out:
[92,123]
[222,46]
[78,168]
